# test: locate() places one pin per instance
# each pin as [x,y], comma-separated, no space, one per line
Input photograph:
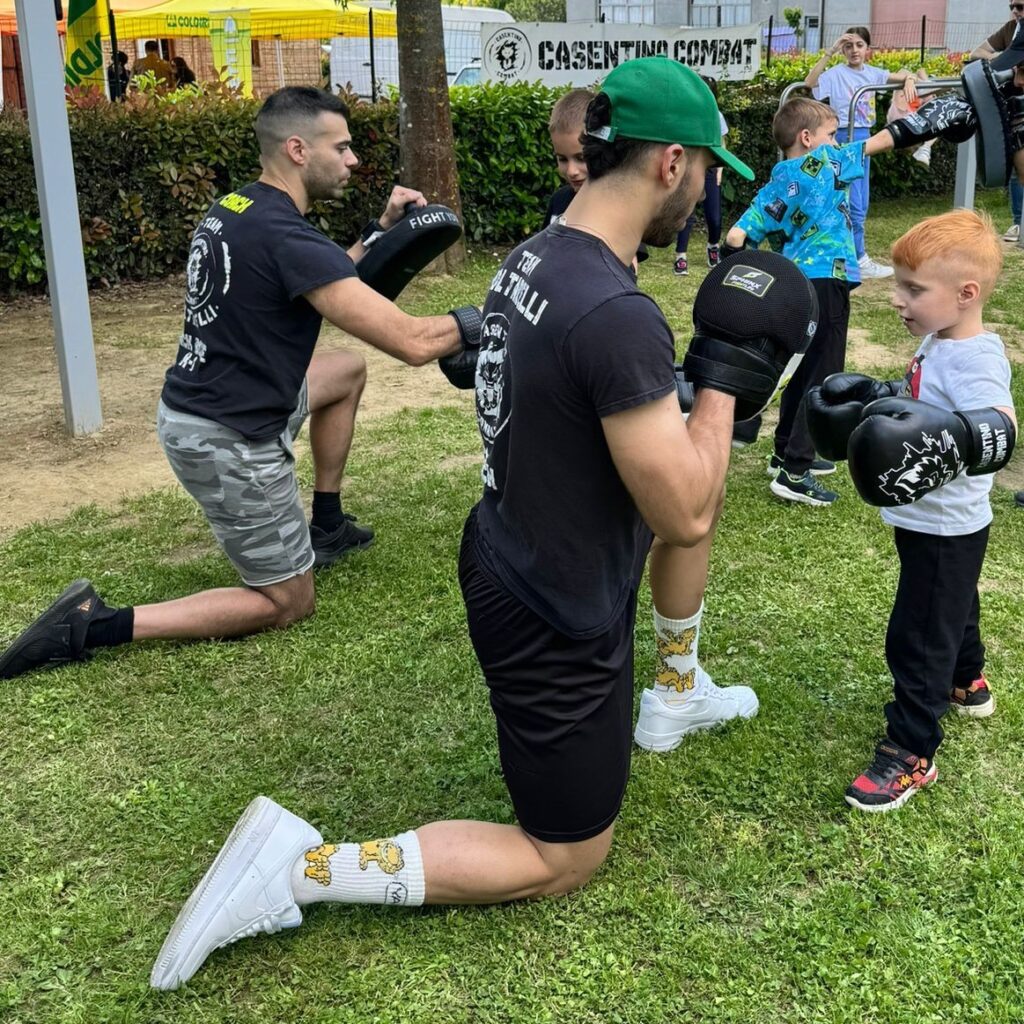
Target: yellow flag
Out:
[231,42]
[87,22]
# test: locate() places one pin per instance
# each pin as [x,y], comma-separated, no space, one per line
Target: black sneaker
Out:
[891,779]
[329,547]
[714,256]
[1018,499]
[804,489]
[975,701]
[57,636]
[819,467]
[680,267]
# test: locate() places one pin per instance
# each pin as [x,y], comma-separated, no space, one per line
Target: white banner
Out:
[582,53]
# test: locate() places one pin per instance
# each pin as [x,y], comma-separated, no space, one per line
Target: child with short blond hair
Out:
[945,269]
[565,127]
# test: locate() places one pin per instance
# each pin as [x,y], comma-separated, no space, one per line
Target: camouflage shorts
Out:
[247,490]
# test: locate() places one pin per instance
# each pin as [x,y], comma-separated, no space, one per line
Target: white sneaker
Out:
[661,726]
[869,268]
[923,155]
[1012,233]
[247,890]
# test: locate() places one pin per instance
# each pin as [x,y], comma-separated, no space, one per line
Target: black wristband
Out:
[726,250]
[470,324]
[371,233]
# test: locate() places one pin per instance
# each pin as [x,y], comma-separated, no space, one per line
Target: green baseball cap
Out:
[660,100]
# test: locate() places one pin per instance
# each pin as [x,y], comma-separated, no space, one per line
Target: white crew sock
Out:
[675,670]
[381,871]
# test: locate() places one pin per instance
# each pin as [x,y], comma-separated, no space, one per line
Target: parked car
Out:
[469,74]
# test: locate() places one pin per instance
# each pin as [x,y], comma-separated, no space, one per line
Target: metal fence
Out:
[929,34]
[370,64]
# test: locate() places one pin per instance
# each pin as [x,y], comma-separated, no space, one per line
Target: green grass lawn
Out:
[740,887]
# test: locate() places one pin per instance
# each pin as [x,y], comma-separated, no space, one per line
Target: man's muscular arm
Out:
[674,469]
[359,310]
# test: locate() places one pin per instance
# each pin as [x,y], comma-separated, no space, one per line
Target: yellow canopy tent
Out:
[270,19]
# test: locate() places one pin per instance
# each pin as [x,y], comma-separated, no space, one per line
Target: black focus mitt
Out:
[394,257]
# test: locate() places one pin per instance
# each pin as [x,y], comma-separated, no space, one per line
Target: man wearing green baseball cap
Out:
[660,100]
[586,458]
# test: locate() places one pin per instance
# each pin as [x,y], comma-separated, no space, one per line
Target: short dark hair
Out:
[122,57]
[288,110]
[600,156]
[152,46]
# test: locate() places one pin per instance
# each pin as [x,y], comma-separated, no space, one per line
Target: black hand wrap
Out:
[684,391]
[460,368]
[726,251]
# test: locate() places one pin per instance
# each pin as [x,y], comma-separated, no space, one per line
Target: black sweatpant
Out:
[826,355]
[932,643]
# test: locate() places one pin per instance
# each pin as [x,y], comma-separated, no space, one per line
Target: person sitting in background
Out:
[154,63]
[183,74]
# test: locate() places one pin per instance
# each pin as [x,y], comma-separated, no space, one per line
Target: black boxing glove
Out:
[754,316]
[945,117]
[460,368]
[905,448]
[835,409]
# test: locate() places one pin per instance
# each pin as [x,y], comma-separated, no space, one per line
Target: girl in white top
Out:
[837,86]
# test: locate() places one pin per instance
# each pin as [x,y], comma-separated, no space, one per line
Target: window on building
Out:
[255,53]
[711,14]
[628,12]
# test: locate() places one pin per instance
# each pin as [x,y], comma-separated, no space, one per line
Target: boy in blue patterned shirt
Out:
[804,213]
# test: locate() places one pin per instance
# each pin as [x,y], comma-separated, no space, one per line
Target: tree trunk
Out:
[426,143]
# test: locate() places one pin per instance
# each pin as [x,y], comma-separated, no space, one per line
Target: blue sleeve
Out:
[307,259]
[850,159]
[771,212]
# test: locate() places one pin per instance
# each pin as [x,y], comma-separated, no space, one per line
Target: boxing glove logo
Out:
[923,469]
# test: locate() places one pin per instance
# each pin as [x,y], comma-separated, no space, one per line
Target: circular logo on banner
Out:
[508,54]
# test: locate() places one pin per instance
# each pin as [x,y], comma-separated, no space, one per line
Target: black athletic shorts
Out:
[564,707]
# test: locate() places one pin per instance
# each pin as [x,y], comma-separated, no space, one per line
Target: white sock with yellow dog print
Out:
[675,667]
[381,871]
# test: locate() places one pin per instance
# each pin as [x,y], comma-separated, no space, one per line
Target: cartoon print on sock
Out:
[318,863]
[385,853]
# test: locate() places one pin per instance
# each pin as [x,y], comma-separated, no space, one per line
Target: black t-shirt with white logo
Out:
[567,339]
[249,334]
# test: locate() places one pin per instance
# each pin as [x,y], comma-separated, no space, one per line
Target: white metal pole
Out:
[58,208]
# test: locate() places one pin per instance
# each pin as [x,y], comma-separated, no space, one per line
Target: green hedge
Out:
[147,170]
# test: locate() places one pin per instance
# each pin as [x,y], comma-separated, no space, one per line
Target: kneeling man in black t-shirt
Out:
[586,455]
[260,281]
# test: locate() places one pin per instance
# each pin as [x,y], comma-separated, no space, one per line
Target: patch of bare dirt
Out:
[135,328]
